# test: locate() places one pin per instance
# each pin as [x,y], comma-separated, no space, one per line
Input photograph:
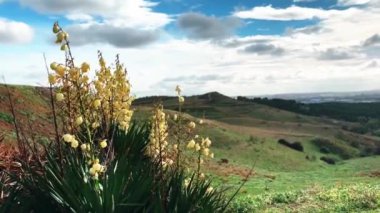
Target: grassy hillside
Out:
[262,121]
[32,110]
[246,135]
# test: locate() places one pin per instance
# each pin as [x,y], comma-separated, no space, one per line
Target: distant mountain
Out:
[349,97]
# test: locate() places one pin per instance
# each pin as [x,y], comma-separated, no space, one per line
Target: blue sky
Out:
[236,47]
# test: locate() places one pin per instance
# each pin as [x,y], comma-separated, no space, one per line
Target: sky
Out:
[236,47]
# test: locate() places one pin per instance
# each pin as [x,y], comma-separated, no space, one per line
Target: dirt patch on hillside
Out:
[225,170]
[374,174]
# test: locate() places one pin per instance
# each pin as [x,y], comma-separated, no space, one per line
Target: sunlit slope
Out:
[270,124]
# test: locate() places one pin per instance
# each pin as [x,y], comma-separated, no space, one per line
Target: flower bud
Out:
[83,147]
[209,189]
[181,99]
[85,67]
[178,89]
[55,28]
[197,147]
[202,176]
[74,143]
[64,47]
[79,120]
[92,171]
[95,125]
[103,144]
[68,138]
[191,125]
[205,151]
[97,167]
[60,70]
[60,37]
[52,79]
[191,144]
[53,66]
[59,97]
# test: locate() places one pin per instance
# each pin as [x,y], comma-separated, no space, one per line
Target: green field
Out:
[286,180]
[247,134]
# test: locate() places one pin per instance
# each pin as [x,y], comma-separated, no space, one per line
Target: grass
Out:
[353,198]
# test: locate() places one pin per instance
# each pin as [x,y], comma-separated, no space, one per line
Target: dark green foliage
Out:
[6,117]
[131,183]
[286,197]
[335,147]
[324,150]
[357,112]
[293,145]
[328,160]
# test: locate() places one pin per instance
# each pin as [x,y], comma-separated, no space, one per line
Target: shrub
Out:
[296,145]
[335,147]
[328,160]
[324,150]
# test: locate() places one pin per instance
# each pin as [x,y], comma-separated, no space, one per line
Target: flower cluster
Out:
[96,168]
[200,146]
[89,110]
[167,148]
[112,91]
[181,99]
[68,138]
[158,138]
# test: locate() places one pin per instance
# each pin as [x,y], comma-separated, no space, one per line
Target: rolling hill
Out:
[246,135]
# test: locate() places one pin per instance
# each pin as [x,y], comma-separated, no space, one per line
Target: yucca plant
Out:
[128,185]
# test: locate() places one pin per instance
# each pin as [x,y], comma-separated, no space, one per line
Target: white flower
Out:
[181,99]
[205,151]
[79,120]
[209,189]
[191,125]
[59,97]
[207,142]
[74,143]
[68,138]
[103,144]
[83,147]
[178,89]
[197,147]
[191,144]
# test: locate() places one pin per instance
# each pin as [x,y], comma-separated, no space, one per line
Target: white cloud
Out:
[289,13]
[127,13]
[79,17]
[352,2]
[202,66]
[13,32]
[112,21]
